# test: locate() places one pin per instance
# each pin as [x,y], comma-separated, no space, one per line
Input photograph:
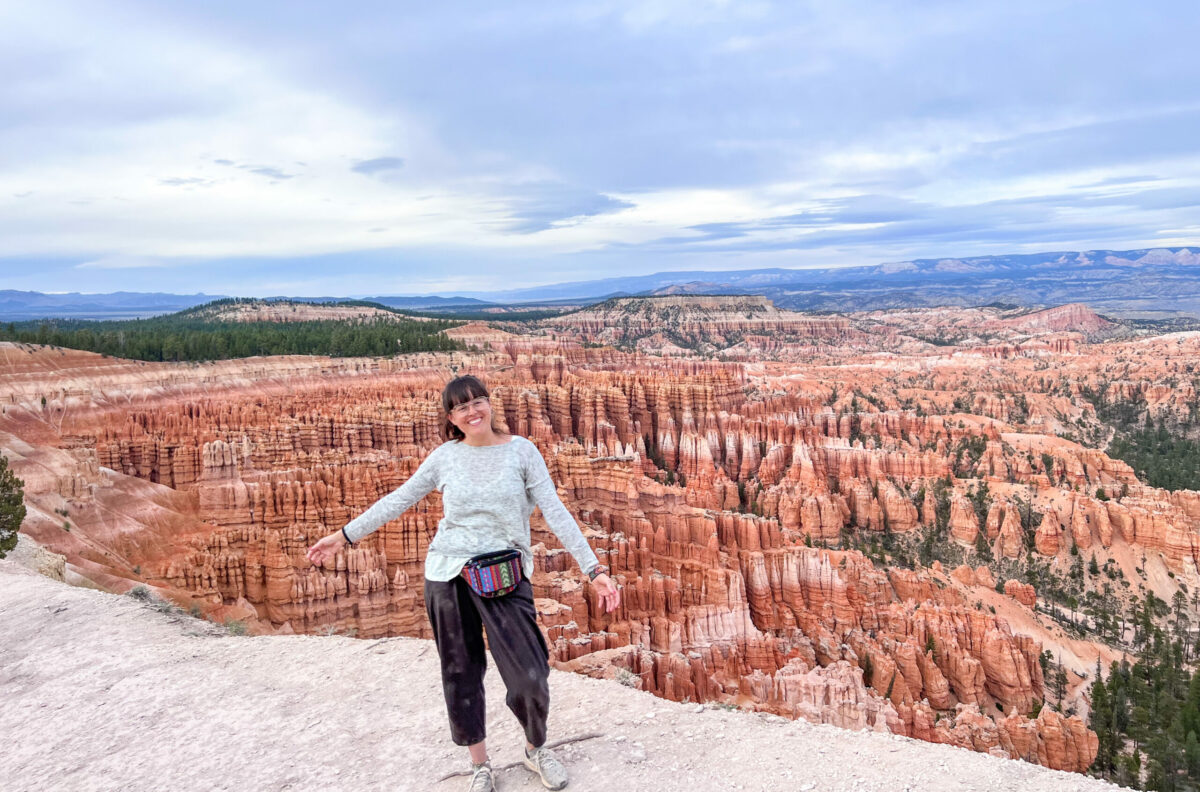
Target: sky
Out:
[372,148]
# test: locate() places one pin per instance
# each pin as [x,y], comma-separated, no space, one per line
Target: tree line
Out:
[188,338]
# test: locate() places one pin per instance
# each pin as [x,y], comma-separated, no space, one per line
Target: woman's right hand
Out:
[326,548]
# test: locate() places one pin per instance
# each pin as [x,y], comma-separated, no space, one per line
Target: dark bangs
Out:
[459,390]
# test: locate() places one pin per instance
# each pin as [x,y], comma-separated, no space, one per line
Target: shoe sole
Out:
[533,769]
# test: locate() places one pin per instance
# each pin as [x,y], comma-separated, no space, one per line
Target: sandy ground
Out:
[103,692]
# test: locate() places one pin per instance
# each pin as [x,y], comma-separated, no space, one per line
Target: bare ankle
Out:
[478,752]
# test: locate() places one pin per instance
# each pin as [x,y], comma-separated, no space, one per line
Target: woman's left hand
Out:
[610,595]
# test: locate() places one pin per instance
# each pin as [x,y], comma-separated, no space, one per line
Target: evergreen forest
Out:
[1161,447]
[1146,713]
[193,335]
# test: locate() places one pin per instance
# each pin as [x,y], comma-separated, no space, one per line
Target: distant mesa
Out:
[694,287]
[479,334]
[676,324]
[1073,317]
[1158,257]
[294,311]
[957,265]
[748,327]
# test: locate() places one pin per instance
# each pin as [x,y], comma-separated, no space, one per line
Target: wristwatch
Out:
[596,571]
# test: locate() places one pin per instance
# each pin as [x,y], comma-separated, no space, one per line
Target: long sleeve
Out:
[541,488]
[396,502]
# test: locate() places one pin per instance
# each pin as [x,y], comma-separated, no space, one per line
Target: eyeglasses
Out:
[466,407]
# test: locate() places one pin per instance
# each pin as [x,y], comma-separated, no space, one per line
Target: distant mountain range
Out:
[1149,283]
[18,306]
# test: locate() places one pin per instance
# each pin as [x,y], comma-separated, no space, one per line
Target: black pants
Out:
[458,616]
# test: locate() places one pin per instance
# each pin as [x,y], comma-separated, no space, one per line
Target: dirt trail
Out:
[102,692]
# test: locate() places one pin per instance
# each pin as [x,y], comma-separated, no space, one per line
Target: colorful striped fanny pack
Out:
[494,574]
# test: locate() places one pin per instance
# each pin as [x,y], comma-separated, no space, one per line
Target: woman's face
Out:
[473,418]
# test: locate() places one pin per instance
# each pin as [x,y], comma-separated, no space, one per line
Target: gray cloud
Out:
[270,173]
[180,181]
[868,221]
[852,210]
[541,205]
[378,165]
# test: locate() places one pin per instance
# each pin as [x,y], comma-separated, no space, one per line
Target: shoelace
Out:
[481,780]
[545,760]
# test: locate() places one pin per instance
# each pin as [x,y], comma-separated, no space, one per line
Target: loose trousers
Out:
[458,616]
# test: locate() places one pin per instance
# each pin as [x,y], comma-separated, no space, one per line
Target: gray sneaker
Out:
[481,778]
[543,762]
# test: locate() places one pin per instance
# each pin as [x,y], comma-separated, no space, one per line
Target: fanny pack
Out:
[494,574]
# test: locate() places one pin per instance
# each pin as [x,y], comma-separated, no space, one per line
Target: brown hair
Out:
[461,390]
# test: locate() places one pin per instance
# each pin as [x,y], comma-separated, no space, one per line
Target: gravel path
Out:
[103,692]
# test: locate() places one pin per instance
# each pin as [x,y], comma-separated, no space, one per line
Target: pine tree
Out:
[1129,770]
[1060,685]
[1139,723]
[1190,712]
[1191,756]
[12,507]
[1100,721]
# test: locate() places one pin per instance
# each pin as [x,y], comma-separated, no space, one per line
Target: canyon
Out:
[755,478]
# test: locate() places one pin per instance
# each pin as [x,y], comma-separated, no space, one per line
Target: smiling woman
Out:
[467,406]
[477,571]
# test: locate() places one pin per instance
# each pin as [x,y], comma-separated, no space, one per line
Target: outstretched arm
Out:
[384,510]
[560,520]
[541,488]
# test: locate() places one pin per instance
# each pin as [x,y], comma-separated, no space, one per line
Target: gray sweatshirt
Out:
[488,493]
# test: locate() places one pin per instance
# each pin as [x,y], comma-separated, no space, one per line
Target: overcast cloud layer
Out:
[295,148]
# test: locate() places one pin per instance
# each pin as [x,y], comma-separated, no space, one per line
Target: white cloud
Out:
[123,262]
[212,152]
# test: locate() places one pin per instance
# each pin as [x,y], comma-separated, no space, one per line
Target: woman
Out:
[490,482]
